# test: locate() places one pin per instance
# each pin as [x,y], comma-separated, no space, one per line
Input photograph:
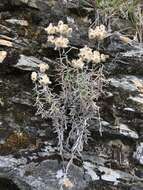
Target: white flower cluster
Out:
[41,77]
[87,55]
[62,30]
[99,33]
[77,63]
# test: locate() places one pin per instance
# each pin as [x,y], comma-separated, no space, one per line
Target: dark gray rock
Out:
[31,3]
[37,177]
[43,176]
[137,187]
[28,63]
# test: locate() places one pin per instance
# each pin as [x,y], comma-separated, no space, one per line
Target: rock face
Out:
[138,154]
[28,153]
[40,173]
[31,3]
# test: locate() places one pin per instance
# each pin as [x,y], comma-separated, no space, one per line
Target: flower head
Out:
[91,34]
[44,80]
[104,57]
[96,57]
[77,63]
[85,53]
[64,29]
[98,33]
[34,76]
[43,67]
[102,27]
[61,42]
[51,39]
[51,29]
[67,183]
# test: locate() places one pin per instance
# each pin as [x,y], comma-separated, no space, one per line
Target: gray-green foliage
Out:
[72,108]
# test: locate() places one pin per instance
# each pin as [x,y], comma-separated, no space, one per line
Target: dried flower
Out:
[98,33]
[91,34]
[51,29]
[85,53]
[96,57]
[51,39]
[67,183]
[64,29]
[61,42]
[104,57]
[102,27]
[43,67]
[77,63]
[44,80]
[34,76]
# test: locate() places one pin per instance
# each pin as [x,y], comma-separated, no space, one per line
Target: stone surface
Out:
[5,43]
[3,55]
[18,22]
[138,154]
[28,63]
[37,177]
